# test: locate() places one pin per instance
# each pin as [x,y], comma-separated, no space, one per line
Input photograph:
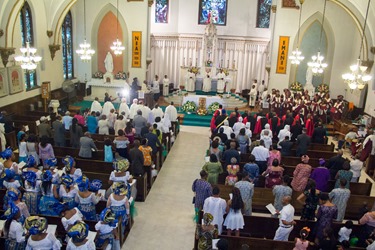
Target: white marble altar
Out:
[209,99]
[98,88]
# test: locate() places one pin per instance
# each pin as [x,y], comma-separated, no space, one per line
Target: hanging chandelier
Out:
[357,78]
[28,59]
[317,65]
[297,56]
[117,45]
[85,52]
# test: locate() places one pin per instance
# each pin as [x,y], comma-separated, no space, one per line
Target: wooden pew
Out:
[256,243]
[318,154]
[294,161]
[320,147]
[264,196]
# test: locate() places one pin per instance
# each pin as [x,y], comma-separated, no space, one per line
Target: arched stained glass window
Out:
[161,11]
[264,13]
[27,35]
[67,46]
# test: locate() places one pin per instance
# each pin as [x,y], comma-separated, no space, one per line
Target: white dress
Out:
[72,220]
[31,150]
[123,179]
[48,243]
[234,220]
[89,245]
[103,127]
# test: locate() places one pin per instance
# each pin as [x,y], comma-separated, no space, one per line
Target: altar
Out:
[114,89]
[209,99]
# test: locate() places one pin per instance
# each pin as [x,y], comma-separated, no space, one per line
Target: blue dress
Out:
[31,197]
[47,203]
[87,206]
[92,124]
[108,154]
[119,208]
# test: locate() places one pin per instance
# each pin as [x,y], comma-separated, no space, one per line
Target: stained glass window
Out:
[264,13]
[67,46]
[161,11]
[28,36]
[214,11]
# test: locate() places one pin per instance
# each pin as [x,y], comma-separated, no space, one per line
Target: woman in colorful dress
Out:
[32,148]
[213,168]
[344,173]
[130,132]
[301,175]
[206,233]
[311,201]
[85,199]
[45,149]
[10,163]
[31,165]
[67,191]
[274,154]
[119,203]
[39,238]
[70,168]
[274,174]
[47,202]
[146,151]
[107,230]
[232,169]
[120,174]
[14,195]
[321,176]
[78,237]
[13,229]
[10,181]
[31,195]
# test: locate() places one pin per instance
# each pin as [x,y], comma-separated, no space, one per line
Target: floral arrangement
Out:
[208,63]
[225,71]
[121,75]
[194,69]
[189,107]
[322,88]
[202,111]
[213,107]
[98,74]
[296,86]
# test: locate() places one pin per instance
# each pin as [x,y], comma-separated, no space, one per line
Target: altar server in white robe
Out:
[172,112]
[190,83]
[207,83]
[145,110]
[107,108]
[253,96]
[157,111]
[124,108]
[165,86]
[238,126]
[220,82]
[265,100]
[96,106]
[166,123]
[133,108]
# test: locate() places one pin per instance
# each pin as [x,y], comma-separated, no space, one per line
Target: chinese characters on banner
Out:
[282,56]
[136,49]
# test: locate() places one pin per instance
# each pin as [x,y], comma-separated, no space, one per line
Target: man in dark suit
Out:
[320,134]
[303,142]
[286,147]
[153,142]
[139,122]
[230,153]
[58,132]
[335,164]
[44,129]
[136,160]
[296,130]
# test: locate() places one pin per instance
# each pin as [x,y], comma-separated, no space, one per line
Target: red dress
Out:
[309,127]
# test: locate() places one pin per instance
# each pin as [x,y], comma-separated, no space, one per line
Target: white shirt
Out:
[89,245]
[16,231]
[67,121]
[227,130]
[69,222]
[356,167]
[22,149]
[372,138]
[158,112]
[371,247]
[344,234]
[286,214]
[133,110]
[48,243]
[172,112]
[124,108]
[351,135]
[261,153]
[103,228]
[215,206]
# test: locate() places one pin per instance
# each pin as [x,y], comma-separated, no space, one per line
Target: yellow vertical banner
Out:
[136,49]
[282,55]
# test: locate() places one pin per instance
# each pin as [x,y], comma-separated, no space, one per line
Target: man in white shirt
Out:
[165,86]
[157,111]
[356,166]
[172,112]
[261,154]
[286,221]
[145,110]
[216,206]
[95,106]
[67,120]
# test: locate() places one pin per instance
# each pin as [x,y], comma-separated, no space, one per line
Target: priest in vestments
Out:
[220,82]
[124,108]
[190,83]
[207,83]
[253,96]
[172,112]
[309,126]
[96,106]
[165,86]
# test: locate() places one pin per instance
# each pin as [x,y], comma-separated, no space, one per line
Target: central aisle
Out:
[165,220]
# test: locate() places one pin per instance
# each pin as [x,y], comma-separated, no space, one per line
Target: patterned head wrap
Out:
[6,154]
[95,185]
[305,158]
[322,162]
[79,231]
[119,188]
[51,162]
[83,183]
[30,161]
[8,174]
[66,180]
[13,194]
[68,162]
[12,211]
[47,176]
[60,207]
[30,177]
[35,224]
[208,218]
[121,165]
[109,217]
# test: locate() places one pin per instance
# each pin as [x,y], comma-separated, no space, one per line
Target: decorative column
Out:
[148,55]
[5,53]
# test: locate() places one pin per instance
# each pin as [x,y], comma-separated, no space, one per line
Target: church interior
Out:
[177,72]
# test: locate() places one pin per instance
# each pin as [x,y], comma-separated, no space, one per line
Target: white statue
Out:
[309,76]
[108,63]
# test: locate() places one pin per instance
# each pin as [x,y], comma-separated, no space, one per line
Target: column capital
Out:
[5,53]
[150,3]
[1,32]
[274,8]
[52,49]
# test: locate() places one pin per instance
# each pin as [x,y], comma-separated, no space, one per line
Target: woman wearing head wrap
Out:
[206,232]
[85,199]
[95,186]
[284,132]
[10,181]
[39,238]
[119,203]
[70,217]
[32,166]
[14,195]
[107,229]
[51,164]
[78,237]
[321,176]
[301,175]
[70,168]
[238,125]
[48,200]
[32,193]
[13,229]
[267,127]
[9,158]
[120,174]
[67,191]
